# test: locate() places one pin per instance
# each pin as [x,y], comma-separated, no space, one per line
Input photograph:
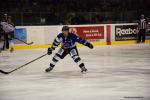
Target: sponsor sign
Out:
[90,33]
[128,32]
[125,32]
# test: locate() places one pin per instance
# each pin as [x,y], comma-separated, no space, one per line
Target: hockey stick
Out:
[23,41]
[4,72]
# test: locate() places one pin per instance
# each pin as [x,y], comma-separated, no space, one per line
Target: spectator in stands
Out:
[96,19]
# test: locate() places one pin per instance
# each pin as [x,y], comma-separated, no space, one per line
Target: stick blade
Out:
[30,43]
[1,71]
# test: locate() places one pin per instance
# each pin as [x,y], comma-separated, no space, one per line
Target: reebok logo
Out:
[120,31]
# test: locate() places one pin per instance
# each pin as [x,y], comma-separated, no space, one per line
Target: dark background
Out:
[56,12]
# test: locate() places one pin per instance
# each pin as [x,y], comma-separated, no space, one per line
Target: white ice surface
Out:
[114,73]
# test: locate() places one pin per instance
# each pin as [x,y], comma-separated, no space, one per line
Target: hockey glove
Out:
[49,51]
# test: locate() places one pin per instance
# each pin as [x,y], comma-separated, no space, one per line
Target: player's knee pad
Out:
[61,52]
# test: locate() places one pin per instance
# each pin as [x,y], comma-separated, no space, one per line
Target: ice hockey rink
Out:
[114,73]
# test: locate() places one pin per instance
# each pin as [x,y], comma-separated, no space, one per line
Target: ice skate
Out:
[49,69]
[11,49]
[83,70]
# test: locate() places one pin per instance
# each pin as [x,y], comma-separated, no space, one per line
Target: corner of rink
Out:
[36,46]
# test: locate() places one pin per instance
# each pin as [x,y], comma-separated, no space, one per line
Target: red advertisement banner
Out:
[89,32]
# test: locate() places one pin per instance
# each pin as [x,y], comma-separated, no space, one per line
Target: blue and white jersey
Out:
[68,41]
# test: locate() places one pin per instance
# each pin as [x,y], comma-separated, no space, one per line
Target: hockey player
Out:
[68,46]
[1,38]
[10,34]
[8,29]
